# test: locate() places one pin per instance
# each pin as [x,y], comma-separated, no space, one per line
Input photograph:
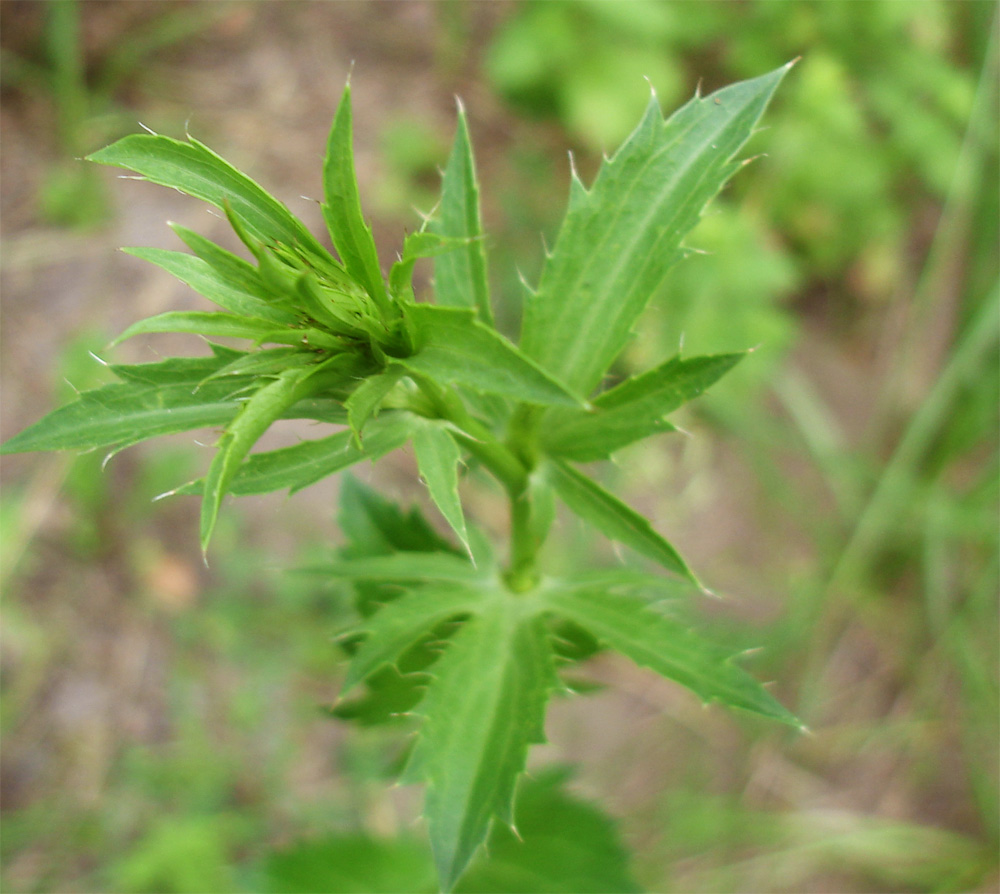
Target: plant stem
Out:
[522,574]
[508,466]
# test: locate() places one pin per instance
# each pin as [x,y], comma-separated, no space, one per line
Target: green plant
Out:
[471,643]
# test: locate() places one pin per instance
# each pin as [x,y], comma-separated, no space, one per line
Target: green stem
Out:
[522,574]
[476,437]
[510,470]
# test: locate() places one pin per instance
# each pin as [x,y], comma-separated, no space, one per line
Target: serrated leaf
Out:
[196,170]
[267,362]
[213,284]
[454,347]
[400,624]
[119,415]
[211,324]
[620,237]
[365,400]
[484,707]
[460,276]
[266,405]
[438,458]
[417,246]
[306,463]
[596,506]
[178,370]
[633,627]
[351,236]
[231,269]
[633,410]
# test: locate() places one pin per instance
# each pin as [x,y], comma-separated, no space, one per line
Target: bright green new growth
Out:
[470,645]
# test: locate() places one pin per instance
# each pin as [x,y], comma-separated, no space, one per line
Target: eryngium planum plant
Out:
[471,644]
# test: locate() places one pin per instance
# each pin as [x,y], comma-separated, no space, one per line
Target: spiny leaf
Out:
[178,370]
[212,324]
[633,410]
[612,517]
[651,639]
[216,285]
[453,346]
[119,415]
[416,246]
[438,458]
[305,463]
[351,236]
[483,708]
[193,168]
[402,623]
[460,276]
[230,268]
[365,400]
[266,362]
[264,407]
[620,237]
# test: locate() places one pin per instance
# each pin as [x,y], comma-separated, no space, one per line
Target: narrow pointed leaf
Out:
[438,458]
[592,503]
[651,639]
[365,400]
[454,347]
[351,236]
[306,463]
[621,236]
[193,168]
[417,246]
[483,708]
[119,415]
[402,623]
[633,410]
[214,284]
[460,276]
[178,370]
[232,268]
[267,362]
[265,406]
[212,324]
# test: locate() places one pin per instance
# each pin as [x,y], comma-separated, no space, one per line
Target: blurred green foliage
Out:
[81,92]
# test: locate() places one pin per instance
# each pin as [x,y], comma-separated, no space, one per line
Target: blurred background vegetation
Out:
[163,722]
